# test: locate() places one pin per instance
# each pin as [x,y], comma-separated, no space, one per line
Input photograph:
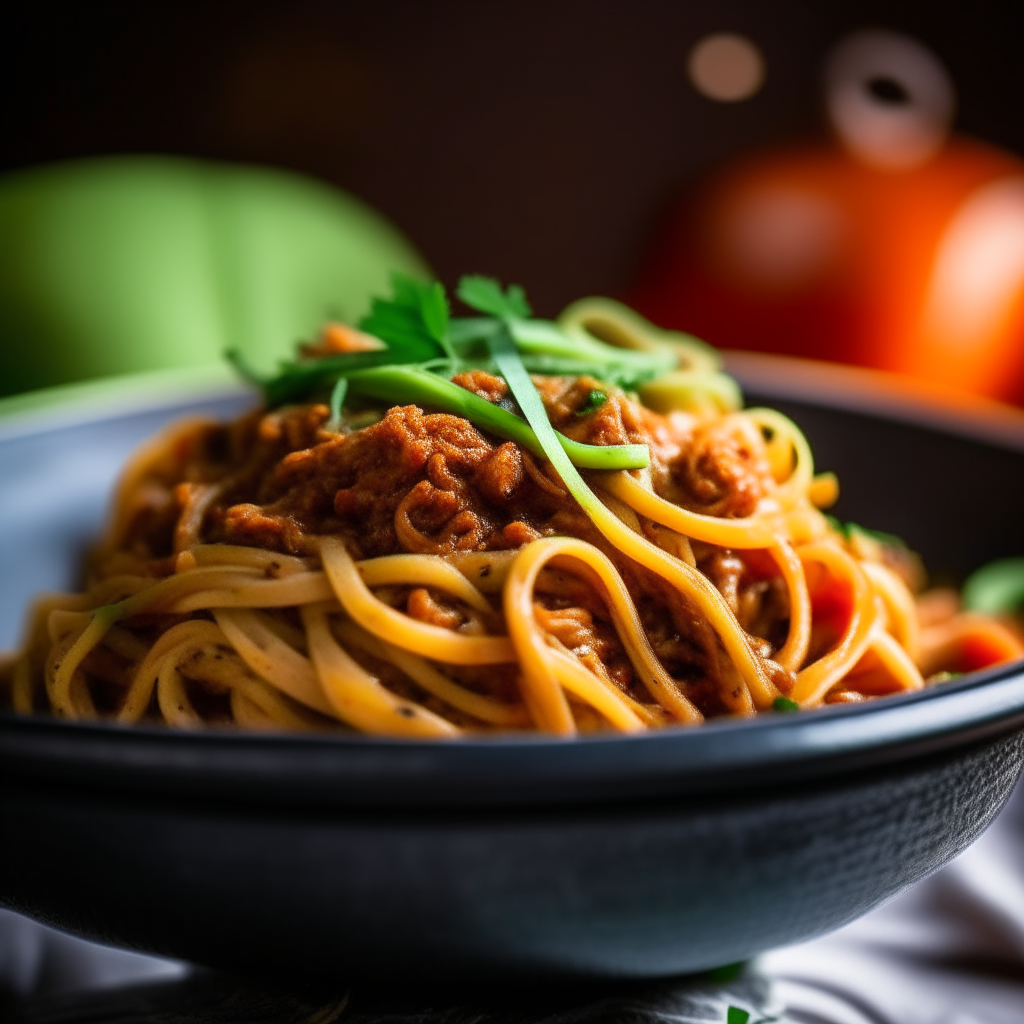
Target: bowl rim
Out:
[509,769]
[111,398]
[880,394]
[353,770]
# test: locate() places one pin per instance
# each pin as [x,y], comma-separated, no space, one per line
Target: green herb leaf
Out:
[889,539]
[727,972]
[413,322]
[996,588]
[736,1015]
[337,399]
[242,368]
[784,704]
[415,326]
[298,381]
[594,401]
[434,309]
[485,294]
[849,529]
[836,524]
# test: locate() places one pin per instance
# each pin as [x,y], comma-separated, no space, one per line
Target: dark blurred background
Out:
[540,142]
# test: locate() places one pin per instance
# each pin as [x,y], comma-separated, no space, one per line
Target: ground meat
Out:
[486,385]
[725,570]
[616,420]
[420,604]
[721,471]
[413,481]
[594,642]
[499,476]
[249,524]
[296,428]
[421,481]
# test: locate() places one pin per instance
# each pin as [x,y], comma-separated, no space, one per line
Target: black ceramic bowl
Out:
[620,856]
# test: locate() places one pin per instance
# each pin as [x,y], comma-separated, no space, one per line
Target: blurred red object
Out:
[892,246]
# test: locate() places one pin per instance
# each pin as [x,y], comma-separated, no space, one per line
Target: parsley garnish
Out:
[418,331]
[413,322]
[485,294]
[836,524]
[424,346]
[736,1015]
[727,972]
[593,401]
[849,529]
[785,705]
[996,588]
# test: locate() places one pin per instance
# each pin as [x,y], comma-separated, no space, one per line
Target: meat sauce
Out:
[418,481]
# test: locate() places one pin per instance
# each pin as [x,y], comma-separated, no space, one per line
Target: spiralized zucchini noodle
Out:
[433,560]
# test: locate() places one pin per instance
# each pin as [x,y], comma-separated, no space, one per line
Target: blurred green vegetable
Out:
[996,588]
[134,263]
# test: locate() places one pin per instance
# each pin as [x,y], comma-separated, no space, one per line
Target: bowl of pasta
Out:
[487,645]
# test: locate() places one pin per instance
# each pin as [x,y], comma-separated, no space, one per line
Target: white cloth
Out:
[948,951]
[35,959]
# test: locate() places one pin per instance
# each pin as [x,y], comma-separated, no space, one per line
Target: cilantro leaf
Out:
[296,382]
[425,301]
[413,322]
[516,298]
[784,704]
[241,366]
[485,295]
[737,1015]
[888,539]
[849,529]
[727,972]
[434,310]
[996,588]
[594,400]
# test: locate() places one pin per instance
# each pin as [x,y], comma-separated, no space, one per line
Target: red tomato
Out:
[832,251]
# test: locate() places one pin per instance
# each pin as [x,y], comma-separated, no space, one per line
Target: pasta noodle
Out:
[399,572]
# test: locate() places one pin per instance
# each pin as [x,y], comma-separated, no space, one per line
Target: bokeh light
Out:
[726,67]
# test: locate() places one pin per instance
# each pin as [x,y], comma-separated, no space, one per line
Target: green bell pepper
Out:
[126,264]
